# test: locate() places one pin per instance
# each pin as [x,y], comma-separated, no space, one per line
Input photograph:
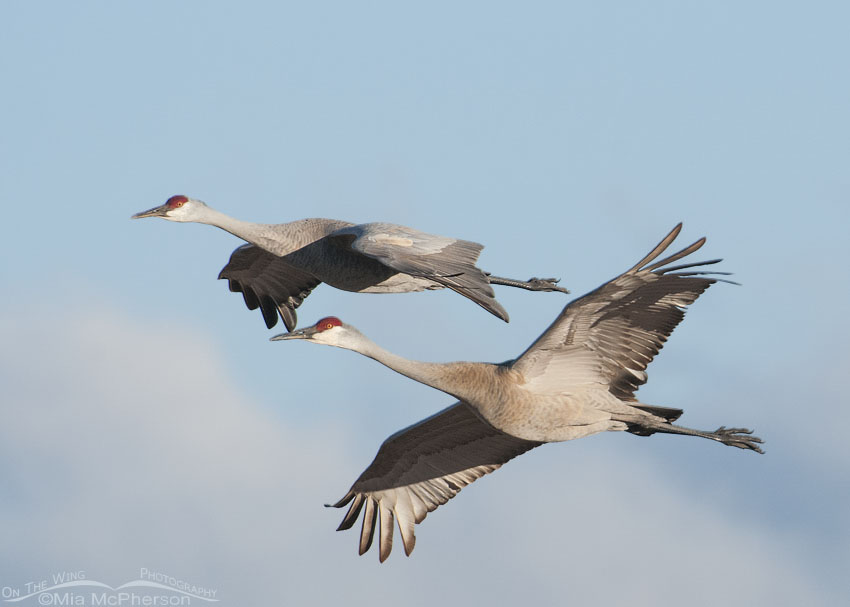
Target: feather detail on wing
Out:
[268,282]
[611,334]
[422,467]
[446,261]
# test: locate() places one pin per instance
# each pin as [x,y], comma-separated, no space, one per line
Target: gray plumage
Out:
[578,378]
[422,467]
[285,262]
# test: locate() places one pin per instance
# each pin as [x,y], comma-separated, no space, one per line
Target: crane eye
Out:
[176,202]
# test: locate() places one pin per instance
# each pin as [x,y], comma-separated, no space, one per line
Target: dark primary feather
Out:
[268,282]
[422,467]
[626,321]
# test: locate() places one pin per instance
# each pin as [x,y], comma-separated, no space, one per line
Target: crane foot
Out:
[546,284]
[738,437]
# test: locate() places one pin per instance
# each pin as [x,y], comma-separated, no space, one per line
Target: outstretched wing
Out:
[610,335]
[446,261]
[422,467]
[268,282]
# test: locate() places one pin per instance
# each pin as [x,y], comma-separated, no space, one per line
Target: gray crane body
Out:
[285,261]
[310,244]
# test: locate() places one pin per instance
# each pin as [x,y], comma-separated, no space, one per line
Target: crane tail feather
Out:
[668,413]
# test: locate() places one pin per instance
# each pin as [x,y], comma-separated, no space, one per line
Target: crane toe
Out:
[739,437]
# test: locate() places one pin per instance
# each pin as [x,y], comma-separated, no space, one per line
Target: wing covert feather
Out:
[617,329]
[449,262]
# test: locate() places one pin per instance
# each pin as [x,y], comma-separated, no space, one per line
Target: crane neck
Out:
[454,378]
[273,238]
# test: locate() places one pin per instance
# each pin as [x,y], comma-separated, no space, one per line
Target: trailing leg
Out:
[734,437]
[532,284]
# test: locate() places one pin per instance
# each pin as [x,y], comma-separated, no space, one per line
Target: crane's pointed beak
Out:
[159,211]
[299,334]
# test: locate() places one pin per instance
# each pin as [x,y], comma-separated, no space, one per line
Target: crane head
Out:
[176,208]
[330,331]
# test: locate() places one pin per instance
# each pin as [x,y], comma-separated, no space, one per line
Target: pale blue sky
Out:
[149,422]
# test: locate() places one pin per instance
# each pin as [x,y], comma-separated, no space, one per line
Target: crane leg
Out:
[532,284]
[734,437]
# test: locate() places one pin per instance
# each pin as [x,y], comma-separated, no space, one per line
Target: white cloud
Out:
[127,446]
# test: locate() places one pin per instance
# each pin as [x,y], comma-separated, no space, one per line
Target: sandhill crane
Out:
[578,378]
[284,262]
